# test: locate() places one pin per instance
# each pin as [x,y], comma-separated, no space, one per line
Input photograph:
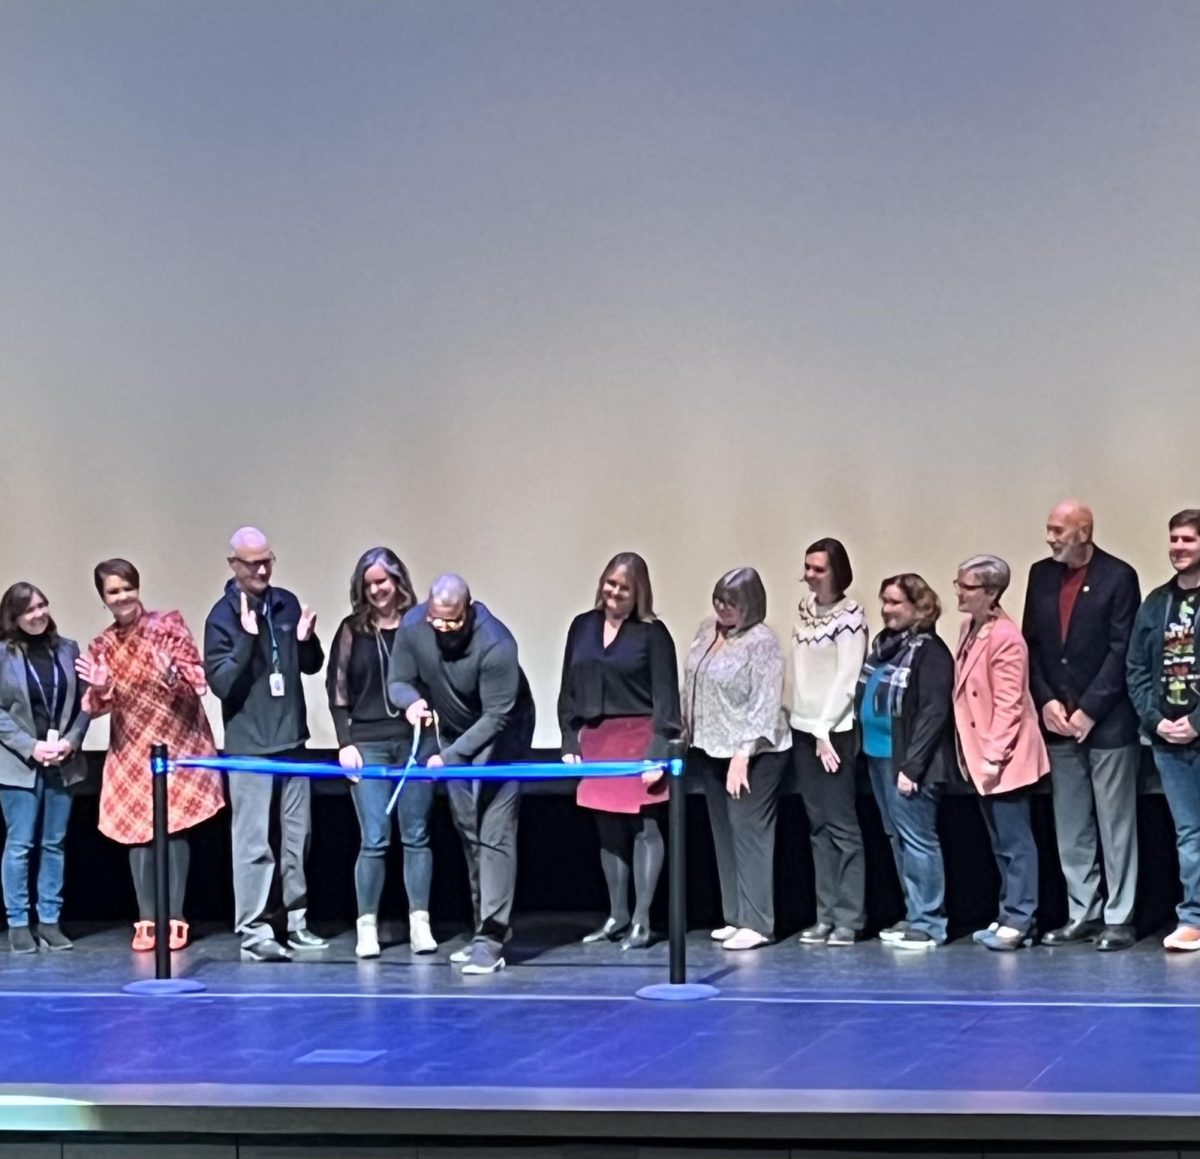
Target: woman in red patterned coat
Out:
[144,670]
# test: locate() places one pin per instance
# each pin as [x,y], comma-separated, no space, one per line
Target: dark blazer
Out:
[1087,670]
[923,734]
[17,767]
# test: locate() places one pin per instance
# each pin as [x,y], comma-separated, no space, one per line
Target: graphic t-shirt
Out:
[1180,678]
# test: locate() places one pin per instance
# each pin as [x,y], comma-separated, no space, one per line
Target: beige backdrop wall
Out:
[513,287]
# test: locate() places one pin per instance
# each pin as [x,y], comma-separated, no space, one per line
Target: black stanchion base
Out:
[678,991]
[164,987]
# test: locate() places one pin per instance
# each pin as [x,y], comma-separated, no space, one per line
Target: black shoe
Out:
[1072,932]
[816,935]
[841,936]
[50,937]
[20,940]
[1116,938]
[611,931]
[638,938]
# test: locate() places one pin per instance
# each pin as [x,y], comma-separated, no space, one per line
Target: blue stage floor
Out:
[864,1035]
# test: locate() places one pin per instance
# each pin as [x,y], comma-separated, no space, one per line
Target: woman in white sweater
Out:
[829,644]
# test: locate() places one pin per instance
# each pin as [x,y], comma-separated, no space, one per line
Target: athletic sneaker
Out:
[305,939]
[367,943]
[892,933]
[20,940]
[980,936]
[912,940]
[1185,938]
[816,935]
[723,934]
[420,936]
[842,936]
[463,953]
[746,939]
[268,950]
[483,960]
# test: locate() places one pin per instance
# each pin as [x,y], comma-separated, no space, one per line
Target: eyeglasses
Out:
[962,587]
[440,625]
[253,564]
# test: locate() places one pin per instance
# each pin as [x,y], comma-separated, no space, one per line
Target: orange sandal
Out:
[179,934]
[143,935]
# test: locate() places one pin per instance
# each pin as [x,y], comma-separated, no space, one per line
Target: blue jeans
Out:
[412,819]
[911,826]
[1006,816]
[50,803]
[1179,768]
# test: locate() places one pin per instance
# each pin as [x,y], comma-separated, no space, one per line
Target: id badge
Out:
[276,683]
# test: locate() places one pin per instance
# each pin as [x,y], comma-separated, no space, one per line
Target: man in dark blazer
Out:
[1079,610]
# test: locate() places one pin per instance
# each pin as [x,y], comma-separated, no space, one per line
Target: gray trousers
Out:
[251,797]
[485,814]
[1095,795]
[744,836]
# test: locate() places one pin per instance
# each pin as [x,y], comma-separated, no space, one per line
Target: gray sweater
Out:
[481,696]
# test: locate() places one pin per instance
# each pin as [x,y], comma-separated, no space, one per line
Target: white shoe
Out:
[723,934]
[368,937]
[420,936]
[745,940]
[462,955]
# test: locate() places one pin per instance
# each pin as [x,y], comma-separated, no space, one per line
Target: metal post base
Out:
[678,991]
[164,987]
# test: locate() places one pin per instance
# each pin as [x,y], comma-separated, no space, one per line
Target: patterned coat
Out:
[146,710]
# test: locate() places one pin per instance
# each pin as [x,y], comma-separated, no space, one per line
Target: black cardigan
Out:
[923,734]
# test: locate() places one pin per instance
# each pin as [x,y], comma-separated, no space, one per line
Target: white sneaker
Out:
[420,936]
[461,955]
[368,937]
[745,940]
[723,934]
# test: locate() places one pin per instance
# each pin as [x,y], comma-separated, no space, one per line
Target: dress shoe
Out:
[638,938]
[180,934]
[1005,938]
[50,937]
[1079,931]
[816,935]
[612,931]
[1116,938]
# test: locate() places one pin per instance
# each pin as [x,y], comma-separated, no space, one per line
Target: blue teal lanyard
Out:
[42,688]
[271,630]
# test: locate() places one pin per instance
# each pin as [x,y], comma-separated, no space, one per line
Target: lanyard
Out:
[53,700]
[271,630]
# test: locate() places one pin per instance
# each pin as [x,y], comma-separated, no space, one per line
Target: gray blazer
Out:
[17,769]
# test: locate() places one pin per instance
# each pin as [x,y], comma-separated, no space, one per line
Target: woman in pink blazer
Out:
[1000,745]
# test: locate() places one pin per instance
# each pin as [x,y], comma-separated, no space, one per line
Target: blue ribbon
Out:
[524,771]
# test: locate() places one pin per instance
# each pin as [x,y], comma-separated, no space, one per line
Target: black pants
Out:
[744,836]
[830,800]
[141,865]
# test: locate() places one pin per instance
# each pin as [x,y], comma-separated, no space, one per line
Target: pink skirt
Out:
[620,738]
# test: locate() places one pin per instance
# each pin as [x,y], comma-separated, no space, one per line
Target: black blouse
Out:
[636,675]
[47,683]
[356,682]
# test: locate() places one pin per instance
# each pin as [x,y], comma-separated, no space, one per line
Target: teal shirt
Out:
[876,727]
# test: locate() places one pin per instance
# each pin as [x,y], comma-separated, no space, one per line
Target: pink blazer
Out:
[994,710]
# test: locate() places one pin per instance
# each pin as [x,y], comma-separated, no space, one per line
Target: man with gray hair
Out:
[454,670]
[1080,606]
[258,640]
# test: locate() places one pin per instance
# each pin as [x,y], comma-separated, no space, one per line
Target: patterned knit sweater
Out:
[829,645]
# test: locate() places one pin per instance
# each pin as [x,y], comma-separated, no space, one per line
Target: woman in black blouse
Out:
[619,701]
[372,731]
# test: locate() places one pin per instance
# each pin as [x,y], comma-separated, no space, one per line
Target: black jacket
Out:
[1087,670]
[238,667]
[923,734]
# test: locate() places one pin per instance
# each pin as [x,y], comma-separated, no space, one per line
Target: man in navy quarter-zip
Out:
[258,641]
[1079,610]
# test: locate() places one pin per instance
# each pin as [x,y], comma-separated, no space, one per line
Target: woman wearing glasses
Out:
[41,734]
[1000,745]
[373,731]
[619,701]
[738,740]
[144,671]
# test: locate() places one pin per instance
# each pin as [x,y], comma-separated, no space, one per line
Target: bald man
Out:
[258,641]
[1079,610]
[454,669]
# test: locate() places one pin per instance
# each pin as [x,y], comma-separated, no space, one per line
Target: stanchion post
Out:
[162,879]
[677,872]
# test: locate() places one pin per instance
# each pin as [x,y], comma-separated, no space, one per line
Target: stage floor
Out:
[957,1043]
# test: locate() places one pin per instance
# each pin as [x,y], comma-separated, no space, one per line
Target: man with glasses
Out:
[258,640]
[1079,610]
[454,671]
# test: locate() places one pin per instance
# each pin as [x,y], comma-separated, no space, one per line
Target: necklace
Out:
[382,653]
